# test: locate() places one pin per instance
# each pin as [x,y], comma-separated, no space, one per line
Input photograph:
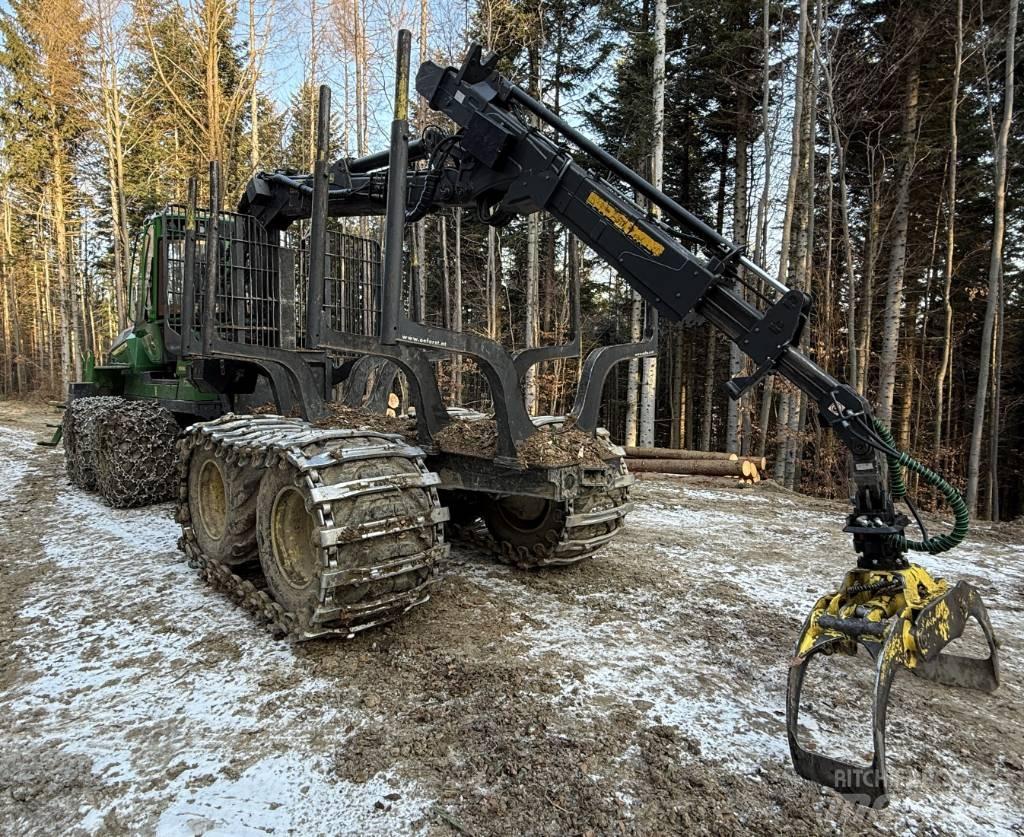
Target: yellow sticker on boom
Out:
[624,225]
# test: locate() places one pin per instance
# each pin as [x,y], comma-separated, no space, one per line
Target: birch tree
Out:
[649,383]
[947,287]
[892,315]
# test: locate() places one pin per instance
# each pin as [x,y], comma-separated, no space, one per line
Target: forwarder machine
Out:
[347,522]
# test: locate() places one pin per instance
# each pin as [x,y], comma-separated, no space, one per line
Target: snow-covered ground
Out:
[640,693]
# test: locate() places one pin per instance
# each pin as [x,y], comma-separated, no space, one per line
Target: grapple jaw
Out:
[904,618]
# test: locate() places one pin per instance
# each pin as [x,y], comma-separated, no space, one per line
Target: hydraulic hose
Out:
[899,460]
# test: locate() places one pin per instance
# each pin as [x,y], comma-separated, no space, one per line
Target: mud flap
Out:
[913,642]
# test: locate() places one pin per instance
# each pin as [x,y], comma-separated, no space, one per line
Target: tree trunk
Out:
[456,324]
[113,141]
[362,85]
[492,283]
[532,336]
[794,160]
[783,425]
[420,228]
[947,287]
[650,364]
[6,382]
[888,360]
[851,282]
[14,334]
[739,235]
[787,219]
[995,429]
[633,374]
[995,266]
[254,111]
[709,389]
[867,303]
[446,279]
[678,388]
[697,467]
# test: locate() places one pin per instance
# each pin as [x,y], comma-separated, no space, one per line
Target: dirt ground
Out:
[640,693]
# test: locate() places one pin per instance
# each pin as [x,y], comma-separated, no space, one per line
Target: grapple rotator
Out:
[896,610]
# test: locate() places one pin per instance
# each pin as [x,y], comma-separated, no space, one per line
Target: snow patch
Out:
[286,794]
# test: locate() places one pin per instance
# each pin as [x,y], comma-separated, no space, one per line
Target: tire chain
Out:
[80,433]
[268,441]
[136,447]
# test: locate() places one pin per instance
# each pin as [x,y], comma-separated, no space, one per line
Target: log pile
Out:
[746,469]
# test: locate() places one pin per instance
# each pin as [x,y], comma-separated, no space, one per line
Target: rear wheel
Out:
[525,528]
[222,506]
[136,462]
[353,543]
[536,532]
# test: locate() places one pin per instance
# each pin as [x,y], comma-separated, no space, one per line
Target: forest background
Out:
[866,151]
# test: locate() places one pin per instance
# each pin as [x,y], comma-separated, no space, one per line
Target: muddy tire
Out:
[533,532]
[80,434]
[349,529]
[380,537]
[136,462]
[222,506]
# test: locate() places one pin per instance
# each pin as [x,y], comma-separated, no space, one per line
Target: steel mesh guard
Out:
[377,523]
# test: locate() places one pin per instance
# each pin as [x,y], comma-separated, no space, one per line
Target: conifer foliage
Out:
[865,151]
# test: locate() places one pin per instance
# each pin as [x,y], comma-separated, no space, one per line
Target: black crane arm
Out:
[504,166]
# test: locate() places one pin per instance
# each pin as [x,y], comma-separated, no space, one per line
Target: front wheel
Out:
[136,460]
[80,433]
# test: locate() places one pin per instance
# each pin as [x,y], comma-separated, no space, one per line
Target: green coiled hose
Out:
[961,516]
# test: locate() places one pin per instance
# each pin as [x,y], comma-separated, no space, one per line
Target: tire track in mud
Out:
[34,779]
[25,471]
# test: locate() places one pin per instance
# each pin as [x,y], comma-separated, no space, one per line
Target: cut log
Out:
[674,453]
[697,467]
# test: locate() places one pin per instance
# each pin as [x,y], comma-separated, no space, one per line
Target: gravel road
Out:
[641,693]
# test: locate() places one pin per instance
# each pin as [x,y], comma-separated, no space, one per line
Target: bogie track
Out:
[531,531]
[348,523]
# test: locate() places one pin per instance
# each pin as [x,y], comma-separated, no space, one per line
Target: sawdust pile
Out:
[342,416]
[549,447]
[269,409]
